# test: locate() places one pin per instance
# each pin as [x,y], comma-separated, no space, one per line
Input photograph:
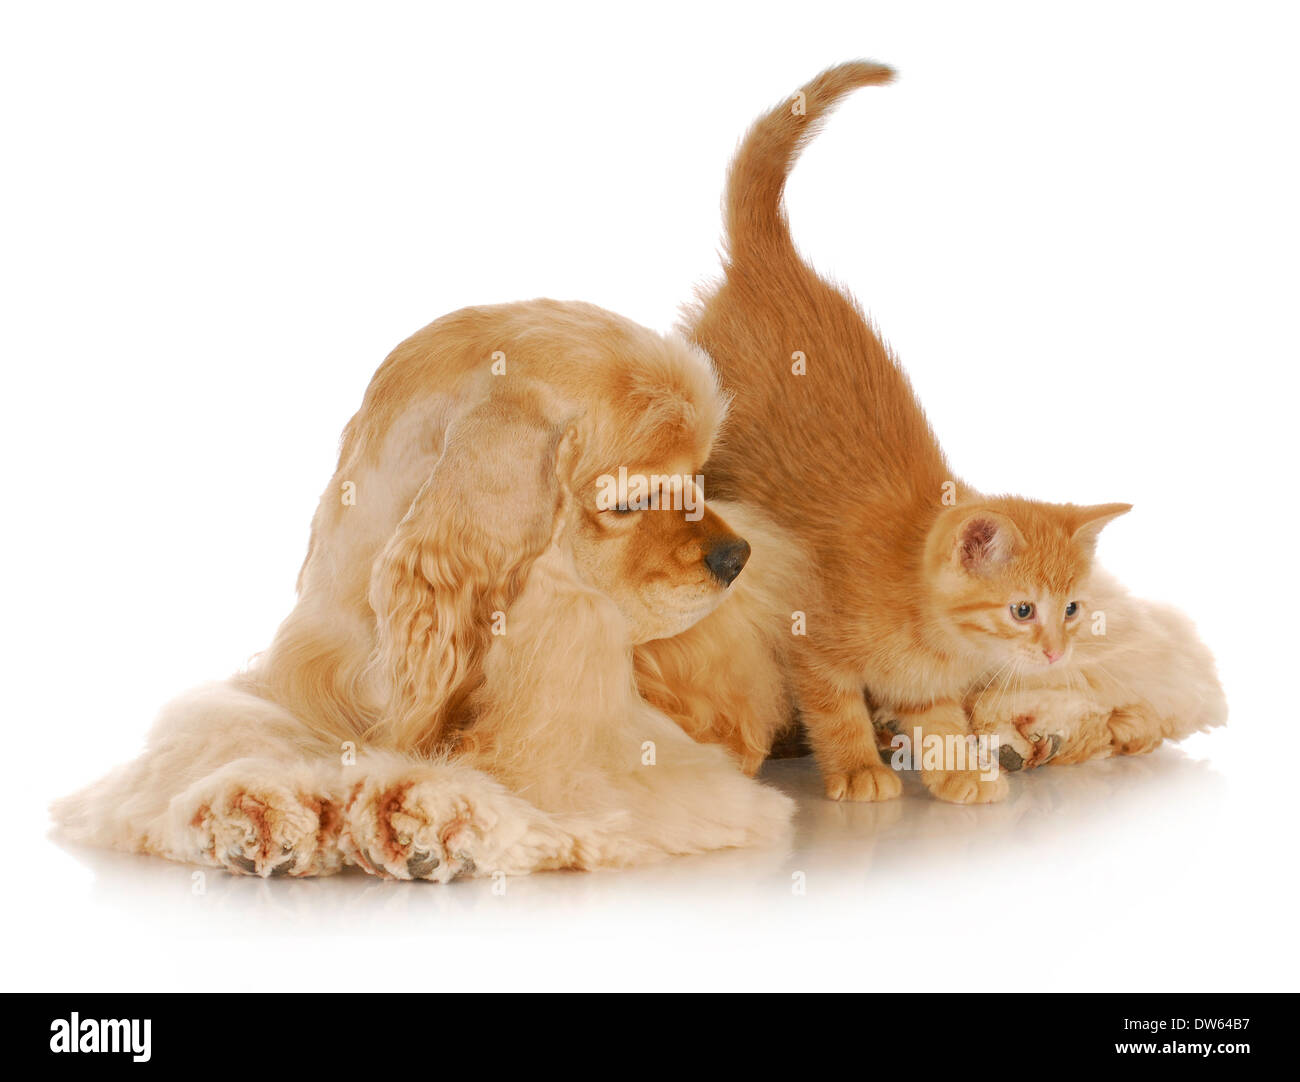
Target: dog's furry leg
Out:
[1033,724]
[679,797]
[439,820]
[228,779]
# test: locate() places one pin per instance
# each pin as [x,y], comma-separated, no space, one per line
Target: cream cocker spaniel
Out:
[454,692]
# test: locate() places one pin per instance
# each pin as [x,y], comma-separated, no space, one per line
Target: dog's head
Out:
[590,442]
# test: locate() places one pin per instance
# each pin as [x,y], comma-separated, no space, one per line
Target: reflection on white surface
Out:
[844,841]
[1054,873]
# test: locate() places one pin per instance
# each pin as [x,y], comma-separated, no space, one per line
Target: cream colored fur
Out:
[454,692]
[727,679]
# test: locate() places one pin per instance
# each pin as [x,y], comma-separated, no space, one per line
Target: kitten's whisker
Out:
[1010,669]
[989,683]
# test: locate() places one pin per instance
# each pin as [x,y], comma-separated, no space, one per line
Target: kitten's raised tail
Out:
[757,226]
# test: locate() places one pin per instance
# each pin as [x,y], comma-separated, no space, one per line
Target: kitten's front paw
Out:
[965,786]
[874,782]
[256,828]
[1132,733]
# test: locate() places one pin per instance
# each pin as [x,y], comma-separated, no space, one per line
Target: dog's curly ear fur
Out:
[457,561]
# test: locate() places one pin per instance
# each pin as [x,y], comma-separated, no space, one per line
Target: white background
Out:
[1076,223]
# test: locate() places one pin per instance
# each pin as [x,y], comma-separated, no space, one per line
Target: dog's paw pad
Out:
[421,864]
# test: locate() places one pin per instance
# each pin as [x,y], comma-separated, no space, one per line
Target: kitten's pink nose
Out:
[1053,656]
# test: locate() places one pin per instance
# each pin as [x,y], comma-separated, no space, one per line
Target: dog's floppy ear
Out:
[457,561]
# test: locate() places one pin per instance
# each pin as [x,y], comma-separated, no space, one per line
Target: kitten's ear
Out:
[1088,521]
[985,540]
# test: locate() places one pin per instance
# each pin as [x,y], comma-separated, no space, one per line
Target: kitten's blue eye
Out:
[1023,611]
[1072,609]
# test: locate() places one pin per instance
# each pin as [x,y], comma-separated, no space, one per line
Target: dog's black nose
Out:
[726,558]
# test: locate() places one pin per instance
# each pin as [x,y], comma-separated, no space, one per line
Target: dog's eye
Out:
[1022,611]
[623,509]
[1071,610]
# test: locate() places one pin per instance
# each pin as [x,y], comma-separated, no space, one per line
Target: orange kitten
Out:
[1139,675]
[923,589]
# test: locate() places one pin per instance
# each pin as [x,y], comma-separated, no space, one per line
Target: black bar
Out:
[929,1029]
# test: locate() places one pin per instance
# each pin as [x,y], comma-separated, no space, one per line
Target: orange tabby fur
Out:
[915,573]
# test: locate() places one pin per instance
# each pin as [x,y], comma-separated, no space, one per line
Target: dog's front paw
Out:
[871,783]
[414,828]
[1026,743]
[1132,732]
[442,821]
[262,829]
[965,786]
